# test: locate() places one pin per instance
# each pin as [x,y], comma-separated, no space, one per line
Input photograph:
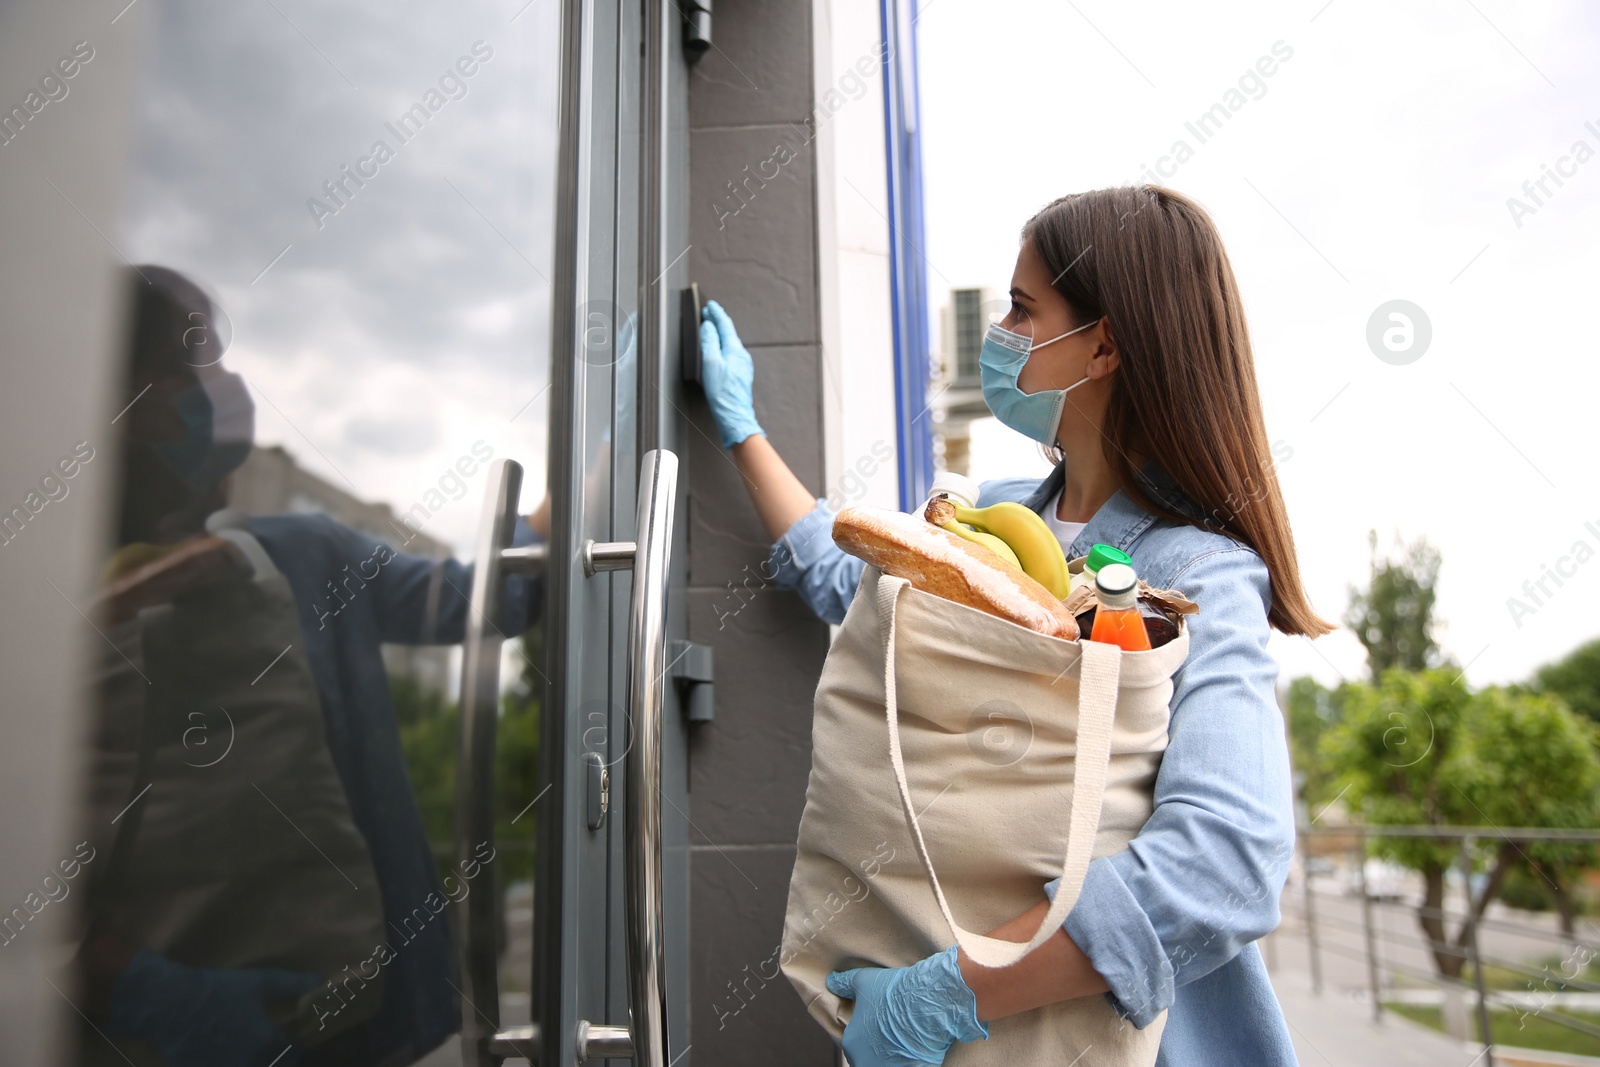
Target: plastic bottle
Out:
[1098,557]
[958,487]
[1157,626]
[1117,620]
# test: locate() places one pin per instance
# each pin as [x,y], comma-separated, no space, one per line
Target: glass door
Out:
[376,746]
[337,225]
[611,905]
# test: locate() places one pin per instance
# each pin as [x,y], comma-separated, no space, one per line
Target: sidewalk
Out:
[1336,1028]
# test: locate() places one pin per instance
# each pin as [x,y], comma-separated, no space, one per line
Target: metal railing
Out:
[1466,945]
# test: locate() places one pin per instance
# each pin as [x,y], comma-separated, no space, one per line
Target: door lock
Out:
[597,788]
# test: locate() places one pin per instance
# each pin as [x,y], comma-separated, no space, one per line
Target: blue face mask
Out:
[219,424]
[1036,415]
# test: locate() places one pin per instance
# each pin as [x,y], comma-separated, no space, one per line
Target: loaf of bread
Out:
[938,562]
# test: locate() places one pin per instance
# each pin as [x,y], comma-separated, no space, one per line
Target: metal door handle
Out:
[480,698]
[647,685]
[650,555]
[593,1043]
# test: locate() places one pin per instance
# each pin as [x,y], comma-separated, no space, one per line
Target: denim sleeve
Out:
[426,601]
[1202,879]
[806,560]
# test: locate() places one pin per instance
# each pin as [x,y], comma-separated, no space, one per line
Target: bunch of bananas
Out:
[1011,531]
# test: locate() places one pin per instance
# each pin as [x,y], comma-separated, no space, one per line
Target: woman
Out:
[1125,352]
[345,594]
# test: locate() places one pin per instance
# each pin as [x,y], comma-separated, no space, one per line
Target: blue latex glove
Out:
[204,1017]
[726,373]
[907,1015]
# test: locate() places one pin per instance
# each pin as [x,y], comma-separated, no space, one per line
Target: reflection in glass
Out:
[345,328]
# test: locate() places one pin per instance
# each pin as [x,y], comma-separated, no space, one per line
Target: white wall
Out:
[60,309]
[853,255]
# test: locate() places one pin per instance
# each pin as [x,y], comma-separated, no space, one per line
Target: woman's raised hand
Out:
[727,374]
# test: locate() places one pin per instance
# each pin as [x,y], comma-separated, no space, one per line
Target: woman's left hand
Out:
[907,1016]
[728,376]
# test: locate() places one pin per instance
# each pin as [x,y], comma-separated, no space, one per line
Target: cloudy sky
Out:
[1374,164]
[414,320]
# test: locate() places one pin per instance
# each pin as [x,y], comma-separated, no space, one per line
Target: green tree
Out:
[1312,710]
[413,702]
[430,734]
[516,761]
[1403,755]
[1545,773]
[1575,678]
[429,743]
[1393,618]
[1418,749]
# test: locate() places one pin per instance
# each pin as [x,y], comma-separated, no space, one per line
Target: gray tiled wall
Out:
[756,255]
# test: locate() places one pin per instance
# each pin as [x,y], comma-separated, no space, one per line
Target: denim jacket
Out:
[413,601]
[1170,921]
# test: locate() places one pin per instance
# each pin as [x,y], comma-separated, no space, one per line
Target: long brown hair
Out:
[1151,261]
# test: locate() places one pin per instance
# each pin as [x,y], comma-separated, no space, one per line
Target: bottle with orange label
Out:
[1118,620]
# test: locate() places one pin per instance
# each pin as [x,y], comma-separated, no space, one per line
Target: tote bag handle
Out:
[1099,672]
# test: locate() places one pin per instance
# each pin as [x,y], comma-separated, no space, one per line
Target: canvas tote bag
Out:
[230,766]
[959,762]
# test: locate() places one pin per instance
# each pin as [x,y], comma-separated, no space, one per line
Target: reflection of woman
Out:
[1126,353]
[188,429]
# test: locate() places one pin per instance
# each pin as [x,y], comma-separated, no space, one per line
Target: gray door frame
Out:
[621,206]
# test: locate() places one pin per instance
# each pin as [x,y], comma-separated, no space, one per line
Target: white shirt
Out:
[1066,532]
